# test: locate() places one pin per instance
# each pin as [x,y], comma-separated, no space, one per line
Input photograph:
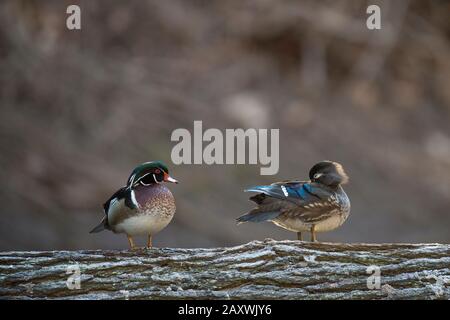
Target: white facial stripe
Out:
[139,180]
[154,177]
[133,199]
[131,181]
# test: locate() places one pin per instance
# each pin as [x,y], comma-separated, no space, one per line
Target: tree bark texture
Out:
[257,270]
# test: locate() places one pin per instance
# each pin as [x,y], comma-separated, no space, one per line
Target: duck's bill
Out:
[168,178]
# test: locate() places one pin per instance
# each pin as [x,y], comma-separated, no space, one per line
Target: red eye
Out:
[157,171]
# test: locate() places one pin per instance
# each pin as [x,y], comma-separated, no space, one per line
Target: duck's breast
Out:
[155,200]
[156,210]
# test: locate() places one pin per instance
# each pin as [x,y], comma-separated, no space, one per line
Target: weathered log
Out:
[257,270]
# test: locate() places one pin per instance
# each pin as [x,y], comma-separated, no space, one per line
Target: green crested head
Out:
[149,173]
[153,165]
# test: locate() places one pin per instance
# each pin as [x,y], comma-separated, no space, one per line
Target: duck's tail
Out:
[258,216]
[268,208]
[102,226]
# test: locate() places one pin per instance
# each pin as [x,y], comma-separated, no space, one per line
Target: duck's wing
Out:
[298,192]
[119,194]
[104,224]
[314,202]
[287,197]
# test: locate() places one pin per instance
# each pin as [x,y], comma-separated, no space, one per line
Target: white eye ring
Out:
[318,175]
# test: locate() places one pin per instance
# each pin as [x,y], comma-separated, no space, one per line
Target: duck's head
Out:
[328,173]
[149,173]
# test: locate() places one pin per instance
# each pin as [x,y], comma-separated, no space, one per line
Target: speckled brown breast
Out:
[155,199]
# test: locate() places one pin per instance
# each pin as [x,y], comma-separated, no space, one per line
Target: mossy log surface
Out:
[257,270]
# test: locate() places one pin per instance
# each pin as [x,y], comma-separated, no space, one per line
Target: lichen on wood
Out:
[257,270]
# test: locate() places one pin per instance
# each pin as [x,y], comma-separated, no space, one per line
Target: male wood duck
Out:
[318,205]
[143,206]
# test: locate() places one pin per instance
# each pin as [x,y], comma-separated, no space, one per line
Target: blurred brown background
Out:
[79,109]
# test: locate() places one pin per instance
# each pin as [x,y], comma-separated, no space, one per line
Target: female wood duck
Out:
[318,205]
[143,207]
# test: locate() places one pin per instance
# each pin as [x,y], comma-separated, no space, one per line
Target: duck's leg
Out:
[313,233]
[131,242]
[299,236]
[149,241]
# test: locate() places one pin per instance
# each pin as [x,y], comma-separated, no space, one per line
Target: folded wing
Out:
[303,199]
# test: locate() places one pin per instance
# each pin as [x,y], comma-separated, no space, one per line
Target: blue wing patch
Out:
[272,191]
